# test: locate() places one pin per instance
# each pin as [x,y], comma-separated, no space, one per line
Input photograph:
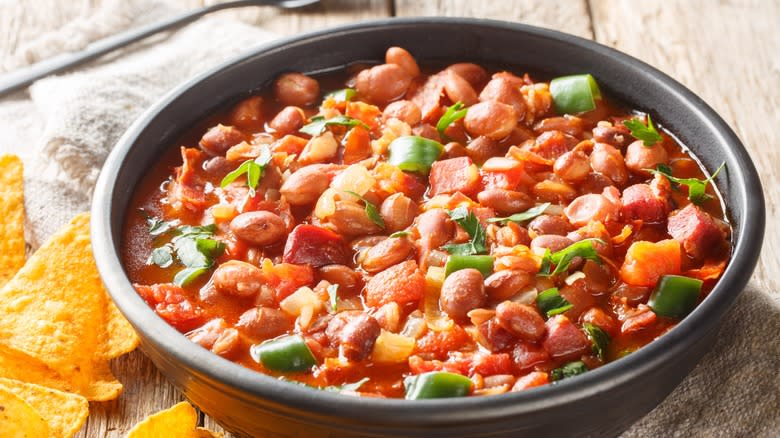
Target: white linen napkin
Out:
[66,125]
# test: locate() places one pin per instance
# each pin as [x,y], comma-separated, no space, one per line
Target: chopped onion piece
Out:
[527,296]
[574,277]
[414,326]
[299,300]
[326,204]
[434,317]
[354,178]
[392,348]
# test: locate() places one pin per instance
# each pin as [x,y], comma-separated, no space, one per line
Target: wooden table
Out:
[725,51]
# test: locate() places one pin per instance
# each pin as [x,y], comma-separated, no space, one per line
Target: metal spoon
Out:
[21,78]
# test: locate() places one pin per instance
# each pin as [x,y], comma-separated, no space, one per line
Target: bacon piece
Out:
[640,202]
[564,340]
[695,229]
[454,175]
[316,246]
[527,355]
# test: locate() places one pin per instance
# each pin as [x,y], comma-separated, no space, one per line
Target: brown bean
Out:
[344,276]
[482,148]
[402,58]
[354,332]
[473,73]
[220,138]
[398,211]
[550,224]
[608,161]
[435,228]
[459,89]
[567,124]
[350,219]
[502,90]
[389,316]
[640,157]
[388,252]
[227,344]
[552,242]
[207,334]
[296,89]
[305,185]
[618,135]
[502,285]
[504,201]
[512,235]
[382,84]
[462,292]
[260,323]
[238,279]
[573,166]
[521,320]
[427,131]
[259,227]
[492,119]
[288,120]
[218,166]
[403,110]
[453,149]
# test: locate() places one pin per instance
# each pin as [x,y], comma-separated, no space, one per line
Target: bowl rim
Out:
[285,399]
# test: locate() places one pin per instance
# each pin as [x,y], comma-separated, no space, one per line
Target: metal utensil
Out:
[15,80]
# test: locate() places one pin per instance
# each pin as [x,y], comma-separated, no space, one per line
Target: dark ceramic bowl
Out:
[602,402]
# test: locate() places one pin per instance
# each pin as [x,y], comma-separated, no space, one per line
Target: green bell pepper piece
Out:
[574,94]
[286,354]
[436,384]
[675,296]
[482,263]
[413,153]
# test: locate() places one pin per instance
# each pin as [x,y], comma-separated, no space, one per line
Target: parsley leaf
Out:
[523,216]
[399,234]
[599,338]
[647,133]
[562,259]
[453,114]
[571,369]
[343,95]
[466,219]
[697,189]
[253,169]
[162,256]
[193,247]
[551,303]
[333,294]
[317,124]
[157,226]
[371,210]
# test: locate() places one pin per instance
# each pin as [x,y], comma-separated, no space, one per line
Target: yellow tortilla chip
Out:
[18,419]
[179,421]
[56,311]
[64,413]
[12,246]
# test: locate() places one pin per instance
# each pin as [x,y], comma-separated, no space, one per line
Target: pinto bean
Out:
[427,131]
[435,228]
[218,337]
[512,234]
[217,140]
[482,148]
[492,119]
[227,344]
[503,90]
[502,285]
[403,110]
[404,59]
[398,211]
[462,292]
[350,219]
[552,242]
[384,83]
[573,166]
[550,224]
[296,89]
[640,157]
[218,166]
[453,149]
[288,120]
[259,227]
[505,201]
[355,333]
[344,276]
[473,73]
[238,279]
[459,89]
[617,135]
[388,252]
[521,320]
[305,185]
[567,124]
[591,207]
[608,161]
[260,323]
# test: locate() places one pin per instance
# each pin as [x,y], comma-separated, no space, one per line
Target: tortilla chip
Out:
[57,312]
[18,419]
[179,421]
[63,412]
[12,247]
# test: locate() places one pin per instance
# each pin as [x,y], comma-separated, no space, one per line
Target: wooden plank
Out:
[569,16]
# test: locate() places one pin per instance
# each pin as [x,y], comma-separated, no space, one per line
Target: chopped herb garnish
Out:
[188,275]
[162,256]
[523,216]
[347,386]
[317,124]
[371,210]
[453,114]
[193,247]
[562,259]
[697,189]
[469,222]
[647,133]
[551,303]
[571,369]
[343,95]
[157,226]
[599,338]
[333,294]
[253,169]
[399,234]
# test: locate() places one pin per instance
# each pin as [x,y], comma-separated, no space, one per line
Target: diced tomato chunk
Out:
[564,340]
[368,114]
[454,175]
[292,144]
[530,380]
[527,355]
[695,229]
[491,364]
[647,262]
[401,283]
[316,246]
[438,344]
[171,303]
[286,278]
[357,145]
[458,364]
[643,318]
[640,202]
